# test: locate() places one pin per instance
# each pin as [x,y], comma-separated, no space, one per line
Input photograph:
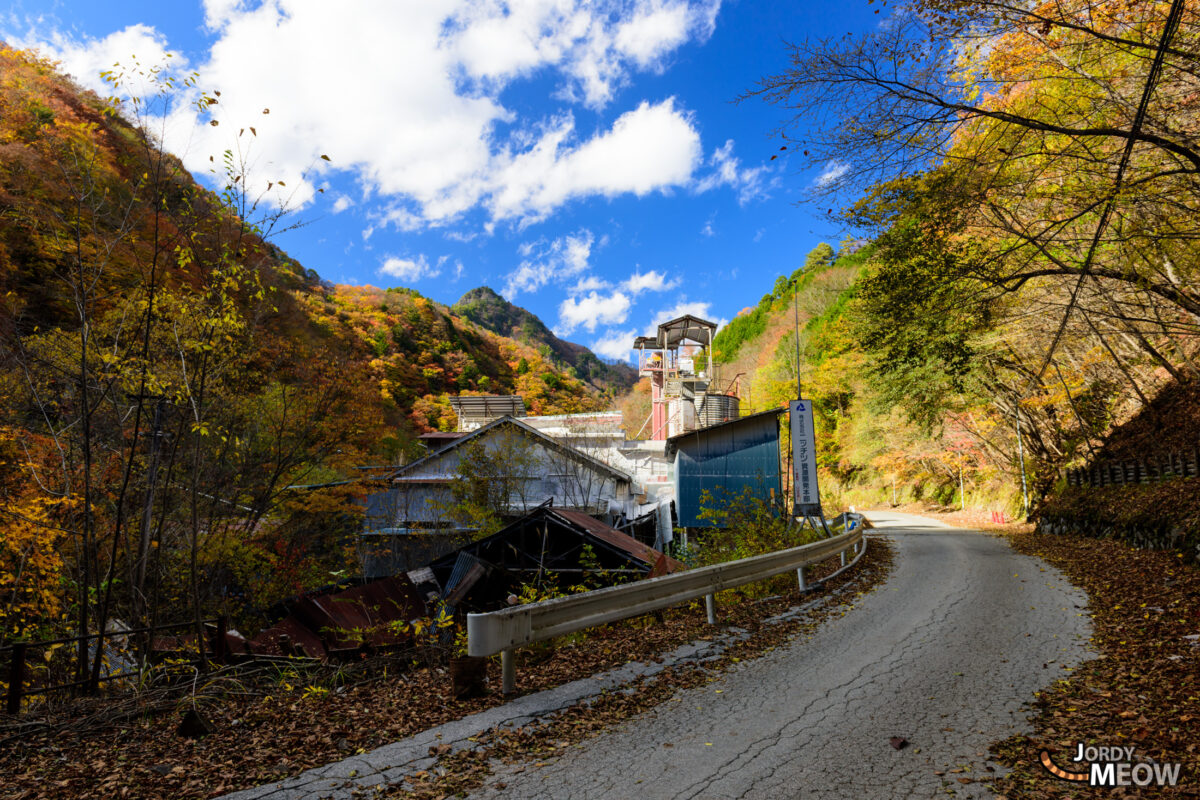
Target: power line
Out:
[1172,25]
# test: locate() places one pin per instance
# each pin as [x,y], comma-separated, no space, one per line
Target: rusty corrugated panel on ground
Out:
[660,567]
[300,640]
[327,622]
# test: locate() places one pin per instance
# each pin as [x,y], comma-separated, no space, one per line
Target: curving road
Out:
[944,654]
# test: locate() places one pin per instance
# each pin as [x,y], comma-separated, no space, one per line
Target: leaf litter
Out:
[273,732]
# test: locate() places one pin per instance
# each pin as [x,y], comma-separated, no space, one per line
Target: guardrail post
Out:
[16,677]
[843,555]
[508,671]
[710,605]
[800,577]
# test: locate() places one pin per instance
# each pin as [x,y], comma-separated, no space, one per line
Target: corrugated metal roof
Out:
[529,430]
[616,538]
[440,437]
[696,435]
[488,406]
[688,327]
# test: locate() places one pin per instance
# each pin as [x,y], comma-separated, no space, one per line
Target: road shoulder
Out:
[1143,689]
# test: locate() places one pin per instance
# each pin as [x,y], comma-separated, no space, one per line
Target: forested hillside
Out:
[1027,176]
[168,373]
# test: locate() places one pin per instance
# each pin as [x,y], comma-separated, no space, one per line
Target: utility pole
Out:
[962,492]
[1021,458]
[796,320]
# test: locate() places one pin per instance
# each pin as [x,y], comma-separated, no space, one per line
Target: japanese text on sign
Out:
[804,458]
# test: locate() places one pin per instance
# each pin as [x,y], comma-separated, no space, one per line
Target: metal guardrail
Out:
[501,631]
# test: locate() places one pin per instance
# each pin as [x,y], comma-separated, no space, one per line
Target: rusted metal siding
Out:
[328,622]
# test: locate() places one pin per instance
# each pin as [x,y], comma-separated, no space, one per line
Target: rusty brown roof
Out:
[616,538]
[327,621]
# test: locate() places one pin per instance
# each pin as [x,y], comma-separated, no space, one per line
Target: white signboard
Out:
[804,459]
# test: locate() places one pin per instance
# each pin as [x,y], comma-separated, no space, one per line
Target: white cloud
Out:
[652,32]
[588,283]
[616,345]
[341,203]
[218,12]
[652,148]
[651,281]
[590,310]
[426,131]
[833,170]
[407,269]
[708,229]
[592,44]
[137,47]
[749,183]
[543,261]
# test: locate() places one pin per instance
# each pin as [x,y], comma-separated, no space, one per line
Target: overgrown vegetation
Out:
[184,405]
[1027,177]
[492,312]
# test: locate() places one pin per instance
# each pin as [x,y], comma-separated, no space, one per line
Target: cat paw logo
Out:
[1109,767]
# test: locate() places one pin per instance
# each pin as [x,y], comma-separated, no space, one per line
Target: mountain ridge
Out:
[487,308]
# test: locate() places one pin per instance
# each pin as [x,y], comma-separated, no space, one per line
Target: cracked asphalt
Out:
[945,654]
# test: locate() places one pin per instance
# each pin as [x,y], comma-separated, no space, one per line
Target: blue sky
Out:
[587,160]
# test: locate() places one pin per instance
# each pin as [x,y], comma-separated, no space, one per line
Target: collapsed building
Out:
[549,549]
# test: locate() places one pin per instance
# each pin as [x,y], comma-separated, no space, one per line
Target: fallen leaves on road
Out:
[1144,688]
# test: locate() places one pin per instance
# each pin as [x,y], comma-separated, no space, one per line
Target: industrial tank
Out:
[718,408]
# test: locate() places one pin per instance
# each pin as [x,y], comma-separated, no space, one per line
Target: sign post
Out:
[805,493]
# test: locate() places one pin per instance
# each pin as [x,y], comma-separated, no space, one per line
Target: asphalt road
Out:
[945,654]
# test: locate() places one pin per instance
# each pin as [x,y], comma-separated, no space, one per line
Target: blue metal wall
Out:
[725,461]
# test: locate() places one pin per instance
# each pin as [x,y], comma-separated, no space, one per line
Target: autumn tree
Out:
[1057,135]
[1031,178]
[155,418]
